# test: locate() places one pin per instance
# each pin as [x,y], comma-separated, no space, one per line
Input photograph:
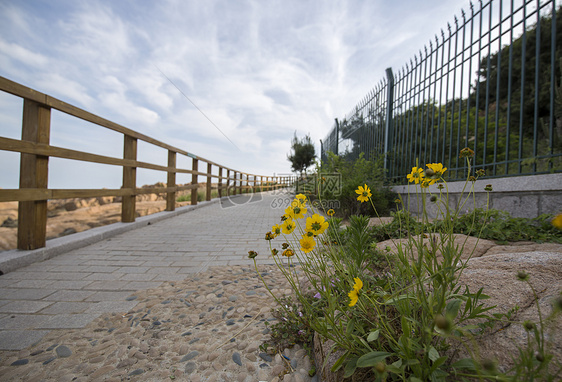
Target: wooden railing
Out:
[35,150]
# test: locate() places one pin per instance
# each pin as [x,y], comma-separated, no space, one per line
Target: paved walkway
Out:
[72,289]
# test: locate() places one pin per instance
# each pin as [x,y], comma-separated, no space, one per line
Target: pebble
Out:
[201,329]
[236,359]
[63,351]
[20,362]
[189,356]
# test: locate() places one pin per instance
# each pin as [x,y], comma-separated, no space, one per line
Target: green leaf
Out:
[410,362]
[399,298]
[393,369]
[371,359]
[433,354]
[439,375]
[350,368]
[452,308]
[338,364]
[465,363]
[414,379]
[373,335]
[438,362]
[350,327]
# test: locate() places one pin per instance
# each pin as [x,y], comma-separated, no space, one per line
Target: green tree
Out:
[302,154]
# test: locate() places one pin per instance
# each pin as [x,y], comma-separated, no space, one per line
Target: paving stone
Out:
[109,296]
[26,293]
[104,276]
[22,321]
[68,321]
[107,285]
[69,295]
[24,306]
[137,285]
[65,307]
[20,339]
[111,306]
[68,284]
[32,284]
[137,277]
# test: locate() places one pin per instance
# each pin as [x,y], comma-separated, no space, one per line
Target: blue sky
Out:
[260,70]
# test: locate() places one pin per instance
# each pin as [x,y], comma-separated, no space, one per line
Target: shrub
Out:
[355,174]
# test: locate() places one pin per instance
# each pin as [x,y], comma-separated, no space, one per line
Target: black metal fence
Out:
[490,82]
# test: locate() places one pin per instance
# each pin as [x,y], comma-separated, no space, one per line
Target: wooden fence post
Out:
[227,182]
[194,167]
[220,182]
[171,196]
[34,169]
[234,183]
[209,170]
[128,204]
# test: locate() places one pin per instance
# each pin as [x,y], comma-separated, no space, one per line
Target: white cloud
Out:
[23,55]
[68,90]
[259,70]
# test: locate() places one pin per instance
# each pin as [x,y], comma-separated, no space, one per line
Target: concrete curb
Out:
[14,259]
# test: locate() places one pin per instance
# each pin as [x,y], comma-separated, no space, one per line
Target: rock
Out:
[10,223]
[266,357]
[68,231]
[136,372]
[236,359]
[63,351]
[20,362]
[190,367]
[497,274]
[189,356]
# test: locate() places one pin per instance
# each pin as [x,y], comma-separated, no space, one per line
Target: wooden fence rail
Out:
[35,150]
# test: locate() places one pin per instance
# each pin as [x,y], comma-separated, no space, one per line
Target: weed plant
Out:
[394,315]
[490,224]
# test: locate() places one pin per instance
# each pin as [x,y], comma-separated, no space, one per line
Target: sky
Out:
[258,72]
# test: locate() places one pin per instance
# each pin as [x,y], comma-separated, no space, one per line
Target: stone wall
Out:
[522,196]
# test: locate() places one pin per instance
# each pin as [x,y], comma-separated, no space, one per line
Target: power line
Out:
[201,111]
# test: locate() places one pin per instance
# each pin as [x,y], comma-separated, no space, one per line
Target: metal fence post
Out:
[388,121]
[337,137]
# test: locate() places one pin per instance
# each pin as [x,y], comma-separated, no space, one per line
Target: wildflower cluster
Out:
[406,308]
[315,225]
[431,175]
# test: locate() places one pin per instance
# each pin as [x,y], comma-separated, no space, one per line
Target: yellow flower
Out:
[288,252]
[416,175]
[316,224]
[364,193]
[301,197]
[427,182]
[438,169]
[331,212]
[296,210]
[354,294]
[276,230]
[557,221]
[307,243]
[288,226]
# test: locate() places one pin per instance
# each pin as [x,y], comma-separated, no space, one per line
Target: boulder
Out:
[497,274]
